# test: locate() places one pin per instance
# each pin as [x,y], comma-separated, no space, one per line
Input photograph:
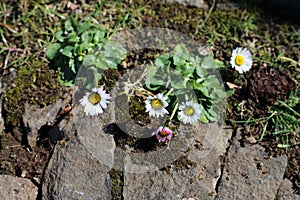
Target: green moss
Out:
[109,78]
[117,184]
[35,84]
[137,111]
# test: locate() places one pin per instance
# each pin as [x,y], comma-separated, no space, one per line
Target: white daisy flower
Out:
[241,60]
[94,102]
[156,105]
[189,112]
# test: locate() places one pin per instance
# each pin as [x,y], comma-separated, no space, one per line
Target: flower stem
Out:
[169,92]
[173,113]
[95,78]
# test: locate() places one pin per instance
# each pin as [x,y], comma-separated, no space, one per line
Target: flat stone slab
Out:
[286,191]
[250,174]
[197,179]
[17,188]
[79,168]
[73,173]
[34,118]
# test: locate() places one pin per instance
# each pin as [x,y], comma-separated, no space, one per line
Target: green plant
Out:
[188,77]
[283,121]
[84,44]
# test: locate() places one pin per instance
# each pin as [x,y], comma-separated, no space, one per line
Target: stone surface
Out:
[249,174]
[17,188]
[286,191]
[2,89]
[34,118]
[196,3]
[203,4]
[73,173]
[1,117]
[197,179]
[79,169]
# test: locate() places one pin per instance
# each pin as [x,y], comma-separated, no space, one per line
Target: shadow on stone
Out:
[122,139]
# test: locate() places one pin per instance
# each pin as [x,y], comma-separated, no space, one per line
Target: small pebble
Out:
[23,175]
[251,140]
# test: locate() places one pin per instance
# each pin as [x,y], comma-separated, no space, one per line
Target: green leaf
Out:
[229,93]
[178,60]
[114,49]
[110,52]
[188,70]
[162,61]
[178,81]
[178,84]
[72,65]
[203,119]
[99,36]
[283,145]
[86,39]
[181,52]
[201,72]
[52,50]
[112,62]
[151,71]
[208,62]
[98,76]
[214,113]
[156,81]
[72,38]
[179,92]
[212,82]
[89,86]
[68,26]
[101,64]
[197,85]
[221,94]
[89,60]
[78,50]
[59,36]
[219,64]
[67,51]
[82,27]
[66,83]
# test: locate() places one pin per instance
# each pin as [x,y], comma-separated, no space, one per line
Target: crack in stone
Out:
[223,161]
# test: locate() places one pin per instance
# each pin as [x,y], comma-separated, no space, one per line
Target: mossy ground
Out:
[29,26]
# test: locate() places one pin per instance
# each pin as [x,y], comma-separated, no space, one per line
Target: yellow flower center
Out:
[189,110]
[94,98]
[239,60]
[163,133]
[156,103]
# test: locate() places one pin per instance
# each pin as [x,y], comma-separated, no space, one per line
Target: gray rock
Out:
[17,188]
[1,118]
[73,173]
[79,169]
[250,174]
[90,133]
[2,89]
[34,118]
[196,3]
[286,191]
[195,180]
[203,4]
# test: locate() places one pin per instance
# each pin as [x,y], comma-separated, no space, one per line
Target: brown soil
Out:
[269,84]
